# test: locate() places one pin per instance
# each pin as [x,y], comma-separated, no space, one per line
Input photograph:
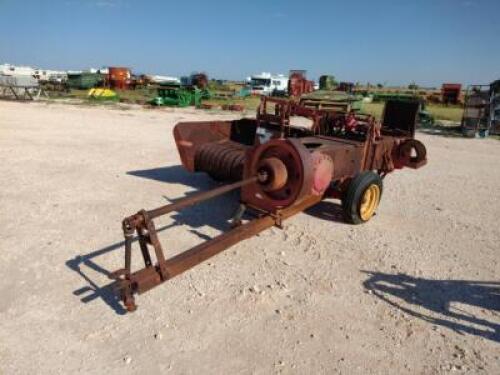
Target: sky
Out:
[393,42]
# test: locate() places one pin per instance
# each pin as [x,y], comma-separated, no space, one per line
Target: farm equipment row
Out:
[482,110]
[285,160]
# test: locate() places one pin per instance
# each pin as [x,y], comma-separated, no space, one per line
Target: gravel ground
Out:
[414,291]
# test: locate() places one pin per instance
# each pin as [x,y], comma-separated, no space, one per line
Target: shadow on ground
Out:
[214,213]
[176,174]
[445,130]
[327,210]
[435,301]
[92,291]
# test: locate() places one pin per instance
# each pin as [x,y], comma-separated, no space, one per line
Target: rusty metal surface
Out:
[298,83]
[322,172]
[188,138]
[298,184]
[222,160]
[277,112]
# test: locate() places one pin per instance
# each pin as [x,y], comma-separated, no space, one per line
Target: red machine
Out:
[450,93]
[119,78]
[282,168]
[298,83]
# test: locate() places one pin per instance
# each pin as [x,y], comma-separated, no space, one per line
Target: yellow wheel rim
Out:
[369,202]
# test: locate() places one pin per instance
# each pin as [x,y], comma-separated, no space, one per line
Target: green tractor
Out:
[176,95]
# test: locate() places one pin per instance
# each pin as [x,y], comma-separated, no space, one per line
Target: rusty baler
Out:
[285,161]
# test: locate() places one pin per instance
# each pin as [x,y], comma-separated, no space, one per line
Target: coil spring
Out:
[221,161]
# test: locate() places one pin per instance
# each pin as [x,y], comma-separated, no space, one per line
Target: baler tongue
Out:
[142,225]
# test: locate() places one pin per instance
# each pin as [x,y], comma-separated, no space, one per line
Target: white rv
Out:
[268,84]
[50,75]
[40,74]
[12,70]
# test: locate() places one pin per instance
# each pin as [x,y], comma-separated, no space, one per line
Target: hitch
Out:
[153,274]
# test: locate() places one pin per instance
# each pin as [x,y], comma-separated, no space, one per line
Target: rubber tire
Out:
[354,193]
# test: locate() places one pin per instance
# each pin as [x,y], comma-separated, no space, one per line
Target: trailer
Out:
[21,87]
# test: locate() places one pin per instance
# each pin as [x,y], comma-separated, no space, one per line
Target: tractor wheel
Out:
[362,197]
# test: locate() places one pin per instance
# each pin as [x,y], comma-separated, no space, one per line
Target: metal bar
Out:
[14,92]
[198,197]
[237,216]
[144,247]
[27,92]
[147,278]
[206,250]
[128,254]
[190,258]
[155,242]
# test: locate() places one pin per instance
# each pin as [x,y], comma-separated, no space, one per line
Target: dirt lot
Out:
[414,291]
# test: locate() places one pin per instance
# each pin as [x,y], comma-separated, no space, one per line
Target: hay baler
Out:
[285,161]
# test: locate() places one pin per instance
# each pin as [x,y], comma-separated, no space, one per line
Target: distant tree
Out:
[380,85]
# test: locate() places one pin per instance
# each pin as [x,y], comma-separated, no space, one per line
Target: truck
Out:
[268,84]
